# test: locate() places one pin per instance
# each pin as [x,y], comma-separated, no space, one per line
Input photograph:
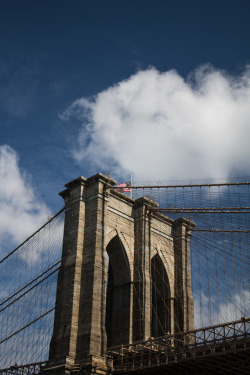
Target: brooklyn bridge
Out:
[147,279]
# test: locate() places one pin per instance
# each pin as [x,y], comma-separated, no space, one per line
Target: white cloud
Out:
[208,312]
[20,210]
[160,126]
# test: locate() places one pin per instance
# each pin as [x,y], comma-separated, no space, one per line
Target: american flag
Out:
[124,187]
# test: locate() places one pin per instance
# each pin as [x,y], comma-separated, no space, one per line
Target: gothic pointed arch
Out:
[161,298]
[118,294]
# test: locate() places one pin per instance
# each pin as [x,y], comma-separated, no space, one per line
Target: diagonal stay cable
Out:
[27,325]
[32,235]
[25,286]
[218,251]
[27,291]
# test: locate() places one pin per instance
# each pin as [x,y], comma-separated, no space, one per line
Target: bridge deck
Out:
[219,349]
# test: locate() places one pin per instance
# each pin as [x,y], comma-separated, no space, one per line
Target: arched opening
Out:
[118,294]
[161,302]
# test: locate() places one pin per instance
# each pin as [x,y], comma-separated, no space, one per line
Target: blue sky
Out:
[159,89]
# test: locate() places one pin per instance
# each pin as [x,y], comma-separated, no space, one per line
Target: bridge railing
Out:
[225,338]
[217,339]
[29,369]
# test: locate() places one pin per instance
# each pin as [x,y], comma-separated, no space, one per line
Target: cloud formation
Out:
[20,210]
[160,126]
[207,312]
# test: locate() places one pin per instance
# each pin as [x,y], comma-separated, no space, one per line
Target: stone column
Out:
[64,340]
[92,334]
[142,271]
[184,309]
[79,329]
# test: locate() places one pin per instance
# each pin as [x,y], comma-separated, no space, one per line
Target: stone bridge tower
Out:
[125,275]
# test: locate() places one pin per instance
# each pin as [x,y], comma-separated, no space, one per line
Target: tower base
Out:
[93,365]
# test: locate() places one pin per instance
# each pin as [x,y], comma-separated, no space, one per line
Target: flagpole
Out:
[130,185]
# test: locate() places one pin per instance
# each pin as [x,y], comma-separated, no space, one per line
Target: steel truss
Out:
[216,349]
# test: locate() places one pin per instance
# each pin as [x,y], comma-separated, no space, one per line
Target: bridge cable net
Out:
[220,280]
[28,277]
[219,269]
[220,244]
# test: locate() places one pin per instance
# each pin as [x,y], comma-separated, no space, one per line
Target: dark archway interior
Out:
[118,294]
[161,307]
